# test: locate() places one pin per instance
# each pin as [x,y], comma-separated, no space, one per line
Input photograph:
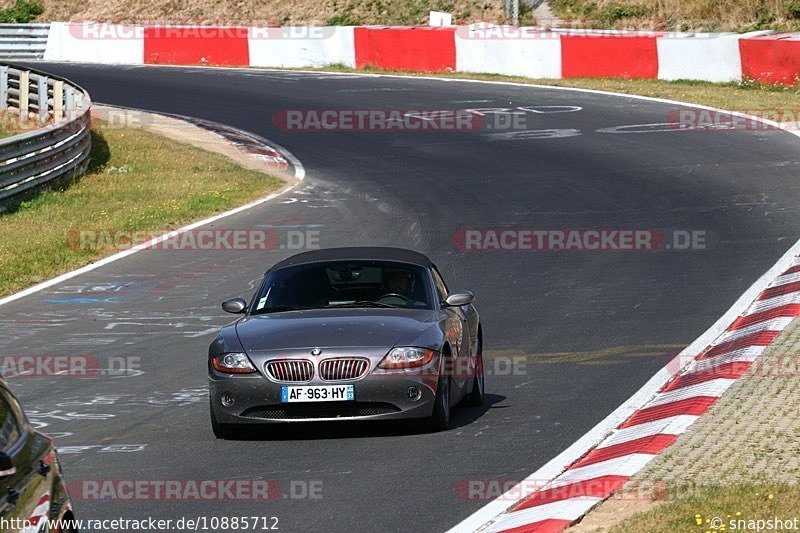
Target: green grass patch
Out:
[681,15]
[712,508]
[392,12]
[137,181]
[21,12]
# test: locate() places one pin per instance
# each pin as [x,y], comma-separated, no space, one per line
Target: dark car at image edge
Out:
[33,493]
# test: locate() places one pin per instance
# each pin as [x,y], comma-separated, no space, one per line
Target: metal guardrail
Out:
[23,41]
[60,147]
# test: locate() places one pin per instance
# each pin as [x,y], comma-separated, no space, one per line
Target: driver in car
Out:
[397,282]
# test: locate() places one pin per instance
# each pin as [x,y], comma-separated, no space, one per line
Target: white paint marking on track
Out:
[533,134]
[627,465]
[774,324]
[776,301]
[712,388]
[203,333]
[561,510]
[787,278]
[743,355]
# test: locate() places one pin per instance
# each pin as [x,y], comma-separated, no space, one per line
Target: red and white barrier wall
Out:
[536,53]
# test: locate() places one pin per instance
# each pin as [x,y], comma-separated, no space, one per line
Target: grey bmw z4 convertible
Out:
[347,334]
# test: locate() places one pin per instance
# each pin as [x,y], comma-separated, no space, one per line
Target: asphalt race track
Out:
[590,327]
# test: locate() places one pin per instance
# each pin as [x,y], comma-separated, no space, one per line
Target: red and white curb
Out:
[38,515]
[695,381]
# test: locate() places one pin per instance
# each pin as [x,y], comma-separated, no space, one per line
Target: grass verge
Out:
[713,508]
[260,12]
[683,15]
[137,181]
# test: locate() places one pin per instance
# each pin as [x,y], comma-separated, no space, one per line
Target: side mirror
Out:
[236,306]
[457,299]
[6,465]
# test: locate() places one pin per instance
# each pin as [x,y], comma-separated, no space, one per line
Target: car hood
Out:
[333,328]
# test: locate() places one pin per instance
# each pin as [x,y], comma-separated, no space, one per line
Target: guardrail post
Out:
[58,100]
[42,99]
[3,88]
[24,93]
[70,94]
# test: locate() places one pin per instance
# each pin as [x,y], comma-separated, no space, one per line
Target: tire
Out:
[440,419]
[68,517]
[478,394]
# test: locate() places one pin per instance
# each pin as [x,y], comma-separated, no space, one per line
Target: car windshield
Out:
[344,284]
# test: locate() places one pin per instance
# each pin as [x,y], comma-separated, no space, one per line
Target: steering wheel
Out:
[405,299]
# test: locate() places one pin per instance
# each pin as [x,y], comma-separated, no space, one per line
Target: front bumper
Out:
[381,395]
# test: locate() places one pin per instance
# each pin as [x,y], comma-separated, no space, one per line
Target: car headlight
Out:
[407,357]
[233,363]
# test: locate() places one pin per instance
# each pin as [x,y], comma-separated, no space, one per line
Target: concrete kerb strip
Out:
[182,130]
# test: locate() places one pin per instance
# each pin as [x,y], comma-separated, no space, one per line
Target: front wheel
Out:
[477,396]
[440,419]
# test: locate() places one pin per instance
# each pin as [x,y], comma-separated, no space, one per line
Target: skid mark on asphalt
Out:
[605,356]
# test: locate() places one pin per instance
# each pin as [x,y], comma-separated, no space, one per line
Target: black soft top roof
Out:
[368,253]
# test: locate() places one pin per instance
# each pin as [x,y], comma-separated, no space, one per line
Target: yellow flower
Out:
[770,497]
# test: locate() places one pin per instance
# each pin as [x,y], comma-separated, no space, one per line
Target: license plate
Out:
[318,393]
